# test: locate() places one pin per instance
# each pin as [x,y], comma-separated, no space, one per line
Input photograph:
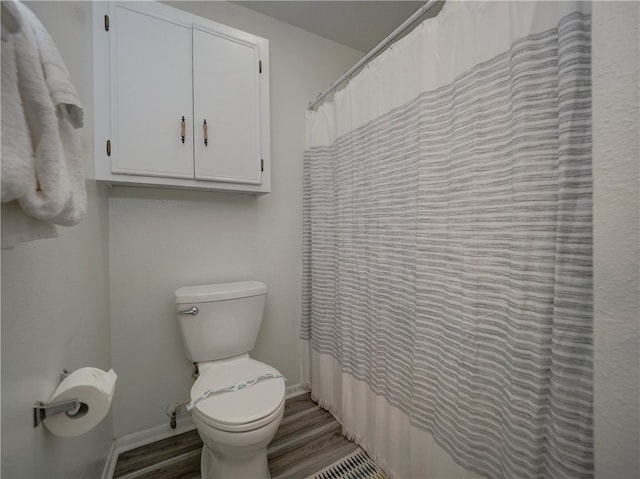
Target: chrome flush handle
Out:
[191,311]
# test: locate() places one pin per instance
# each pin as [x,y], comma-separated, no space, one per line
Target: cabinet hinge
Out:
[106,22]
[108,147]
[261,164]
[259,66]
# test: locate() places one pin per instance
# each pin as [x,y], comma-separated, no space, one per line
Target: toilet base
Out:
[254,466]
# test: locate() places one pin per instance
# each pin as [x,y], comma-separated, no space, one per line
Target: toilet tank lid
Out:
[219,292]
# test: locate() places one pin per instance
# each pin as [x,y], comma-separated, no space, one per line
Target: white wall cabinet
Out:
[181,101]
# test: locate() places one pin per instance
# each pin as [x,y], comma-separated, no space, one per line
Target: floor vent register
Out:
[357,465]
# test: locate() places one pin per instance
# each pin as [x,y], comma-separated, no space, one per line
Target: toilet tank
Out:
[219,321]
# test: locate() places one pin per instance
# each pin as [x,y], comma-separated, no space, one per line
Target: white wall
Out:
[163,239]
[616,152]
[55,300]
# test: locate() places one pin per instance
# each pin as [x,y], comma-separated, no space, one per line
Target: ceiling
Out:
[357,24]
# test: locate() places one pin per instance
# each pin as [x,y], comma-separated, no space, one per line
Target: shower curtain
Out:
[447,261]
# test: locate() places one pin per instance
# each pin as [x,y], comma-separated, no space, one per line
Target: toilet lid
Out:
[238,407]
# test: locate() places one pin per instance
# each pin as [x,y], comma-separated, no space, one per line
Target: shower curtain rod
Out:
[369,56]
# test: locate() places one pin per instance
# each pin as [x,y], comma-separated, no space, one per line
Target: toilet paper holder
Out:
[72,407]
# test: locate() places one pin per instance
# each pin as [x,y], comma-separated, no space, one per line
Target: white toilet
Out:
[220,324]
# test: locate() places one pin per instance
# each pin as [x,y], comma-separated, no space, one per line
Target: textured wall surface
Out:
[55,299]
[616,153]
[163,239]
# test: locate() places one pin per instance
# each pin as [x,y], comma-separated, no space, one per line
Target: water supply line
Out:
[172,411]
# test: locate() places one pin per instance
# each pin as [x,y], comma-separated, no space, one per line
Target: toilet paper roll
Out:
[94,389]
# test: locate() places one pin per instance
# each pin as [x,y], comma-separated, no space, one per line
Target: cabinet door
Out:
[151,93]
[226,87]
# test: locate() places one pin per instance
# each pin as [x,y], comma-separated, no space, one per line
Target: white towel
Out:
[17,151]
[61,90]
[17,227]
[42,167]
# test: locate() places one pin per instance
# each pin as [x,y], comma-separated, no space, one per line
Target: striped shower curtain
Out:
[447,281]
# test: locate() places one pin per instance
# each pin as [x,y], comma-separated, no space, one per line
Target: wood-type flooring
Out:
[308,440]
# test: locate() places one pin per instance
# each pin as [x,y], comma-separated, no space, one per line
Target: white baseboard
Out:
[142,438]
[158,433]
[110,465]
[295,390]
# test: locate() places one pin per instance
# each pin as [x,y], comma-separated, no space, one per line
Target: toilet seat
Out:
[242,410]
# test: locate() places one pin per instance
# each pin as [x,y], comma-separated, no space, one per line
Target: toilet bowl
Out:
[236,426]
[237,403]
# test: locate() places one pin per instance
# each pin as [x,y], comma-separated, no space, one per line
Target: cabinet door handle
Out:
[206,132]
[183,127]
